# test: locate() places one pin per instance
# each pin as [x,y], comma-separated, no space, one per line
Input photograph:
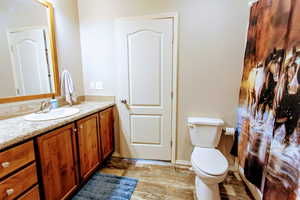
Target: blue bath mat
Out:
[107,187]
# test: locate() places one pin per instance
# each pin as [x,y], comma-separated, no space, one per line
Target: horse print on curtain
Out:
[268,119]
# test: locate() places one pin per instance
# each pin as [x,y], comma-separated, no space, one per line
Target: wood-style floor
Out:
[164,181]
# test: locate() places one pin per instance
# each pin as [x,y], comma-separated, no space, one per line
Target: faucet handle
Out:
[44,106]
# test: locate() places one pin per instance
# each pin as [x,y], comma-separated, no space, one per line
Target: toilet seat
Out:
[209,161]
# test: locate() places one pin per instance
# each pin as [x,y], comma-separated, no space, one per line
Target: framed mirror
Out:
[28,58]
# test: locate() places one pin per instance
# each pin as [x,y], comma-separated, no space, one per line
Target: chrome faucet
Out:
[45,107]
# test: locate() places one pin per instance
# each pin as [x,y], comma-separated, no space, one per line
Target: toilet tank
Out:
[205,132]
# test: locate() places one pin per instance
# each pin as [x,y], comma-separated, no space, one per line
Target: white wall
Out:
[211,48]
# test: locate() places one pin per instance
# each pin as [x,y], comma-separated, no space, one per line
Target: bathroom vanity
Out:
[48,160]
[51,160]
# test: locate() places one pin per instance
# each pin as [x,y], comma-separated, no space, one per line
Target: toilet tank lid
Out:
[205,121]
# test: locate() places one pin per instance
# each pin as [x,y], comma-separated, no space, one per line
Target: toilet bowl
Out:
[211,168]
[209,164]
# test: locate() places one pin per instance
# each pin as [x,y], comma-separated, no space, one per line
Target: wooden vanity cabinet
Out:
[66,158]
[88,148]
[58,160]
[18,172]
[106,132]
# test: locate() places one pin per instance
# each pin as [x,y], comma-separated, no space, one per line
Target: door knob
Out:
[124,101]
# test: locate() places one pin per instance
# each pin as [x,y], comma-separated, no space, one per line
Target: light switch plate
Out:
[99,85]
[92,85]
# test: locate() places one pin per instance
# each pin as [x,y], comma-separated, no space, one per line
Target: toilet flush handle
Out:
[124,101]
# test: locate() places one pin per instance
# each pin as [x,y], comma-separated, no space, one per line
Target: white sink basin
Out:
[53,114]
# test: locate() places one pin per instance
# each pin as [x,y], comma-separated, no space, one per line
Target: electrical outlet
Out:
[99,85]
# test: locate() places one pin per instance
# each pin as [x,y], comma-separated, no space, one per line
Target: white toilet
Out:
[209,164]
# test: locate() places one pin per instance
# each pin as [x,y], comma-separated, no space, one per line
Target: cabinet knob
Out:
[81,127]
[10,191]
[75,130]
[5,164]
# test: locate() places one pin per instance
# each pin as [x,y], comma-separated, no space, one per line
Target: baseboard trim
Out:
[183,162]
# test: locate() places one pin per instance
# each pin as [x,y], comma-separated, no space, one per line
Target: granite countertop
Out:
[17,129]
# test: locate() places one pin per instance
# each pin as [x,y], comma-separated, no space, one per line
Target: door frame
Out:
[175,17]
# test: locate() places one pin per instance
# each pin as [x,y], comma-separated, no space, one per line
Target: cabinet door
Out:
[88,145]
[107,132]
[57,152]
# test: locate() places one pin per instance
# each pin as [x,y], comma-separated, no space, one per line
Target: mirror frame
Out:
[51,26]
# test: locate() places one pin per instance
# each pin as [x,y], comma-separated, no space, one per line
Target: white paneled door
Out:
[30,61]
[145,55]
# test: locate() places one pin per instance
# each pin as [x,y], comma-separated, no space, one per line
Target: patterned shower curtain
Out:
[269,108]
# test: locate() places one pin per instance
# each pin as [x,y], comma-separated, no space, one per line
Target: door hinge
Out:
[172,95]
[171,143]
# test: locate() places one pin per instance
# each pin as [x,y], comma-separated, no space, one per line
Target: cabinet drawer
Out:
[32,194]
[15,158]
[18,183]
